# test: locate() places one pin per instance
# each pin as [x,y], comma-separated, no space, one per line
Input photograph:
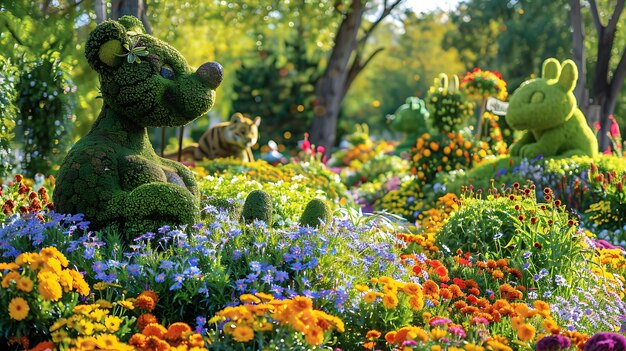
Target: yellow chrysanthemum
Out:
[25,284]
[49,287]
[10,277]
[18,308]
[126,304]
[52,252]
[243,333]
[100,286]
[10,266]
[66,280]
[390,301]
[314,336]
[526,332]
[104,303]
[88,343]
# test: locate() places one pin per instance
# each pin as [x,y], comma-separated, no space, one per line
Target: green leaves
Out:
[134,51]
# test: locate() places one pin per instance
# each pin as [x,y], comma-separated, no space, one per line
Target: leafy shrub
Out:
[45,101]
[449,108]
[7,120]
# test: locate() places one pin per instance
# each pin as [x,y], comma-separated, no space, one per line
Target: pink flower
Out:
[614,127]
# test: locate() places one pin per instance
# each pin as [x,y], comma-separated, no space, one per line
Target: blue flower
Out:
[200,321]
[237,254]
[313,263]
[240,285]
[99,266]
[160,278]
[297,266]
[193,261]
[89,252]
[133,269]
[166,265]
[251,278]
[281,276]
[267,278]
[255,266]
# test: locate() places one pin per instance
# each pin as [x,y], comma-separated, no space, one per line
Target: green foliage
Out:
[46,101]
[316,213]
[9,113]
[258,206]
[281,93]
[511,224]
[545,108]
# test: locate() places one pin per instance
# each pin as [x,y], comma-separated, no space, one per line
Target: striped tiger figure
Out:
[232,138]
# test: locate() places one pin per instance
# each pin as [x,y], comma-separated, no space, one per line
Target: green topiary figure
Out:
[258,205]
[545,108]
[315,212]
[410,118]
[113,175]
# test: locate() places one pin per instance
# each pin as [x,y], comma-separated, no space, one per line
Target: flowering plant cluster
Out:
[444,153]
[36,289]
[449,110]
[610,212]
[16,196]
[261,314]
[481,84]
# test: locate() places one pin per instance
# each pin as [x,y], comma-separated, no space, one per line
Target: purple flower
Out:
[606,342]
[552,343]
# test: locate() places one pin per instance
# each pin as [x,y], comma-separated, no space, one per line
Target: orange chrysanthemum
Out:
[144,302]
[373,334]
[145,319]
[154,329]
[177,330]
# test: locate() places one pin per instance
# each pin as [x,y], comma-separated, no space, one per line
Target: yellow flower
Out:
[99,286]
[314,336]
[264,296]
[104,303]
[526,332]
[98,314]
[58,324]
[473,347]
[25,284]
[66,280]
[370,296]
[18,308]
[10,277]
[10,266]
[248,298]
[52,252]
[79,283]
[110,342]
[49,287]
[390,301]
[243,333]
[88,343]
[126,304]
[361,287]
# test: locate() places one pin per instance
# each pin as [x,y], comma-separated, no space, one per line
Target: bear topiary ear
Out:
[132,24]
[106,45]
[569,76]
[551,69]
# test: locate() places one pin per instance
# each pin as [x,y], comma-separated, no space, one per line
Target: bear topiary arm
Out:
[163,201]
[527,138]
[184,173]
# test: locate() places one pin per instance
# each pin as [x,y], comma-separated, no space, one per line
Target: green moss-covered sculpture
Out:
[112,175]
[316,212]
[545,108]
[258,205]
[410,118]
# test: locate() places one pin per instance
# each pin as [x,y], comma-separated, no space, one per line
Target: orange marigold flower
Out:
[503,262]
[430,288]
[314,336]
[369,345]
[416,302]
[177,331]
[460,304]
[301,303]
[242,333]
[445,293]
[526,332]
[155,344]
[152,294]
[11,276]
[497,274]
[25,284]
[373,334]
[390,301]
[412,289]
[154,329]
[390,337]
[144,302]
[18,308]
[542,307]
[145,319]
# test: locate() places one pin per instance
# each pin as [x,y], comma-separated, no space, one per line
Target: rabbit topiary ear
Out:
[105,46]
[569,76]
[551,69]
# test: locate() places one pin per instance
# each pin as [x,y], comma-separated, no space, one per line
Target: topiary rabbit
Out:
[545,108]
[113,175]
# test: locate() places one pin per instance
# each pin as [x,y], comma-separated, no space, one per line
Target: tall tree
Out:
[135,8]
[347,59]
[607,84]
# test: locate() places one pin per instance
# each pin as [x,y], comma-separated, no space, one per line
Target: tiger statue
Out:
[233,138]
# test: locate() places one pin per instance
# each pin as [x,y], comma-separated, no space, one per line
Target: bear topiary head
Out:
[146,79]
[546,102]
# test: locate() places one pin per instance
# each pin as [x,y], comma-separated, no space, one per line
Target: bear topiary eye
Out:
[537,97]
[167,72]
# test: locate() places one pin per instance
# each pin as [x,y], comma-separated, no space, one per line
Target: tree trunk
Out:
[135,8]
[101,11]
[607,86]
[330,88]
[578,52]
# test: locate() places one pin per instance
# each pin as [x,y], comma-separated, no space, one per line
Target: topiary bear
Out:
[112,175]
[410,118]
[546,109]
